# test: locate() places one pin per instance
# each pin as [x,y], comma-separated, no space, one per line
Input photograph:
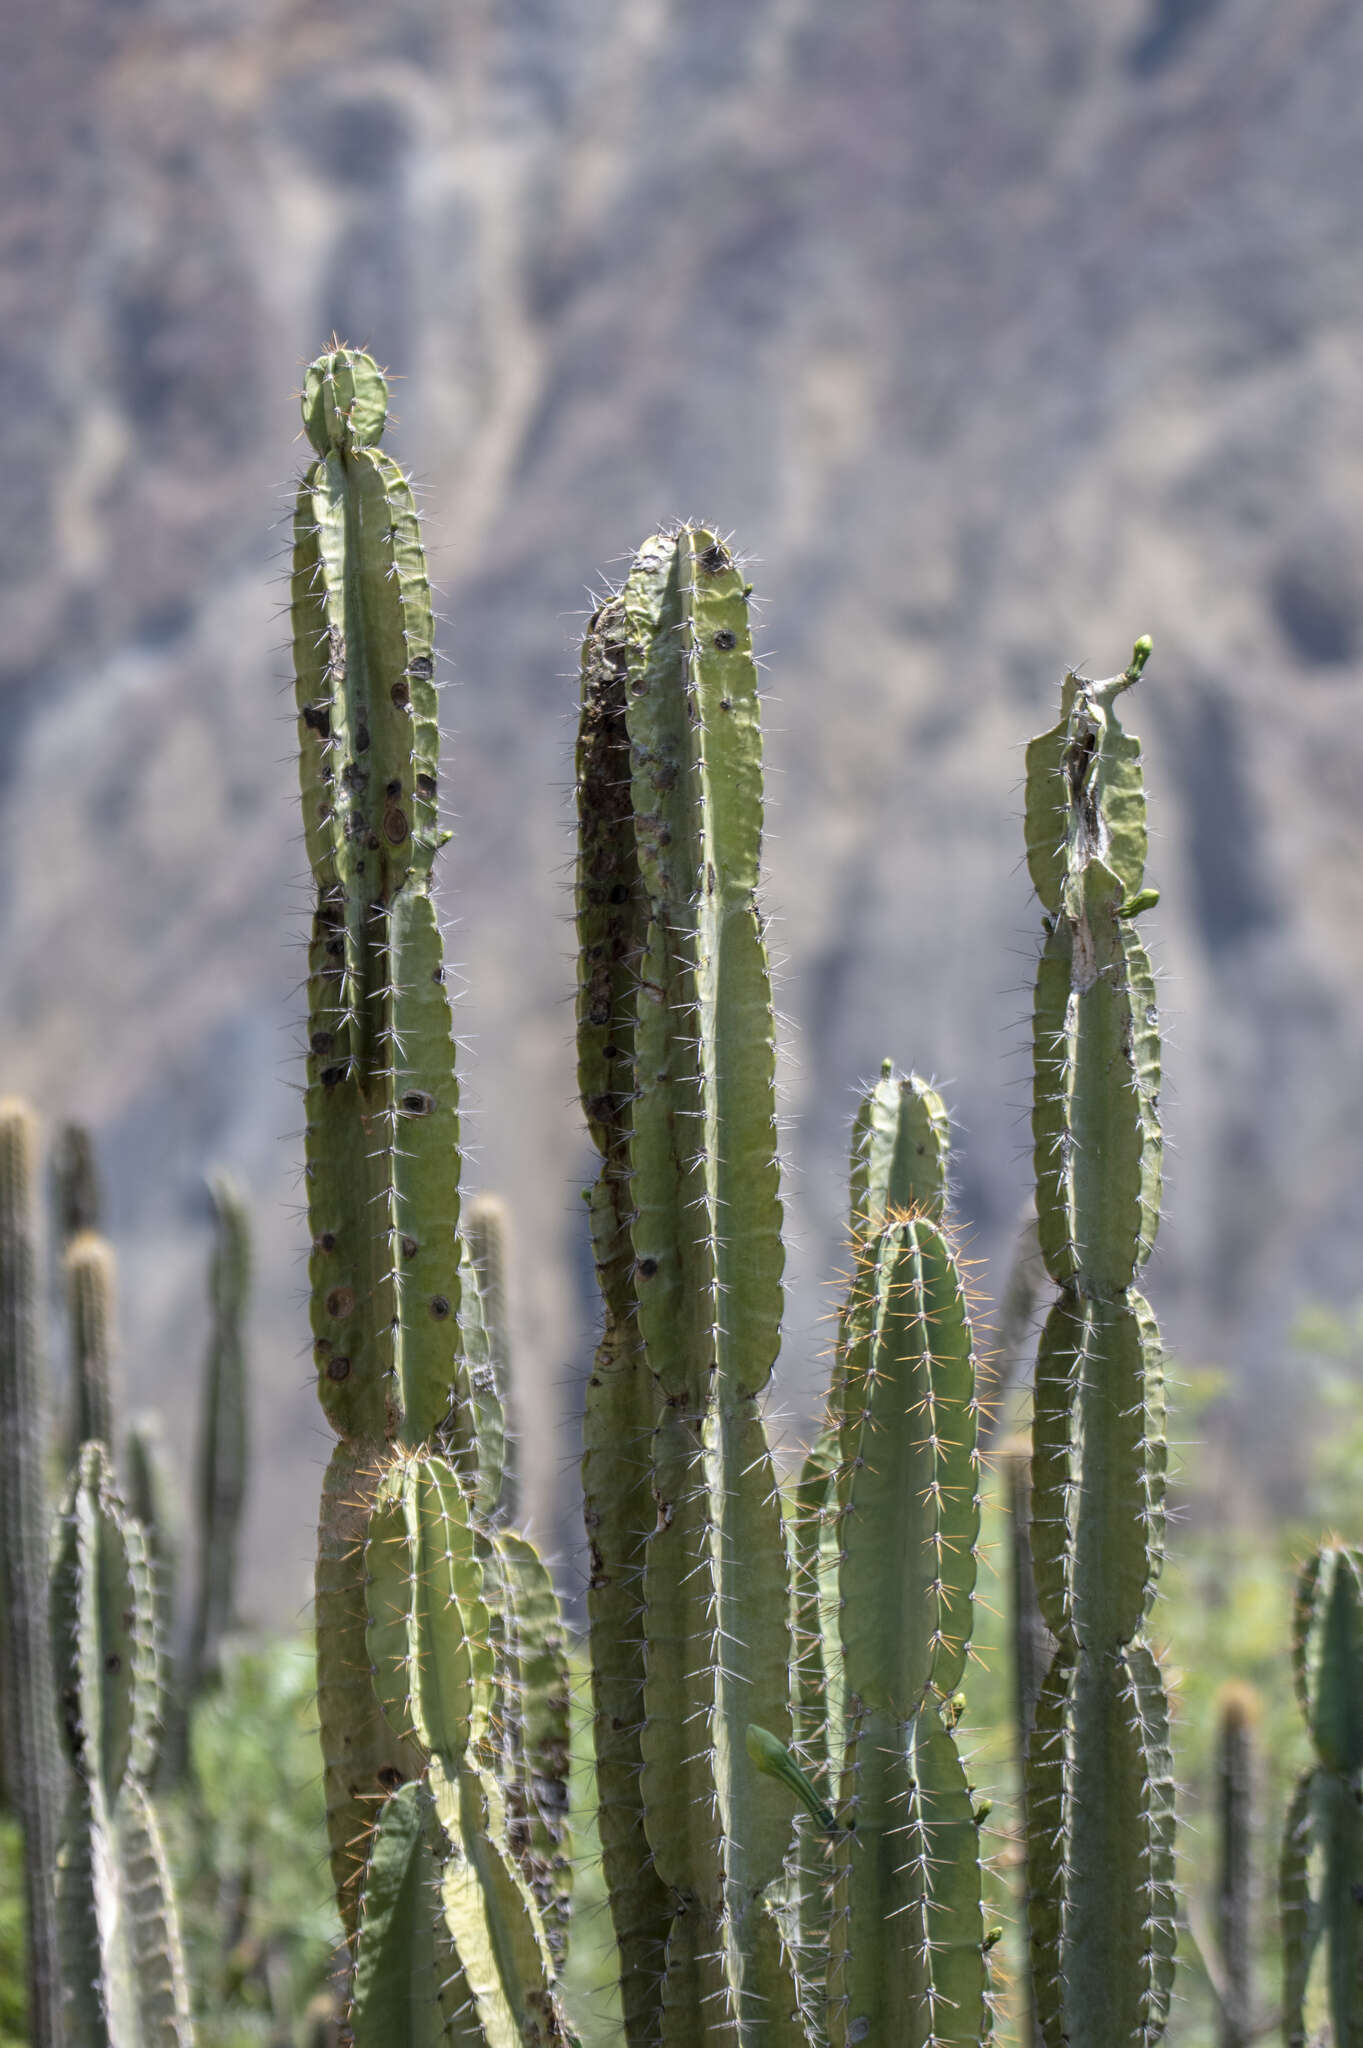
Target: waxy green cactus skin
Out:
[907,1956]
[89,1267]
[382,1100]
[431,1648]
[33,1771]
[1325,1820]
[123,1970]
[1099,1780]
[485,1234]
[422,1668]
[675,1013]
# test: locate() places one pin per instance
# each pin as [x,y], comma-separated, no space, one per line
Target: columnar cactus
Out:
[690,1629]
[1237,1775]
[123,1972]
[89,1263]
[1324,1828]
[1100,1818]
[400,1344]
[32,1761]
[223,1435]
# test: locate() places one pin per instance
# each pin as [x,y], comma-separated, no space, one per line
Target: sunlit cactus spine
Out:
[1321,1870]
[33,1767]
[123,1970]
[398,1338]
[1100,1793]
[1237,1849]
[690,1634]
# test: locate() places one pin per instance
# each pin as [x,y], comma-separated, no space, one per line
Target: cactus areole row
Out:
[790,1843]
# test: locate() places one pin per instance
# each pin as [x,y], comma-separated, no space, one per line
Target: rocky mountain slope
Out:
[997,336]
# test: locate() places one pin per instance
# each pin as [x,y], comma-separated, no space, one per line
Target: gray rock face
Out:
[999,336]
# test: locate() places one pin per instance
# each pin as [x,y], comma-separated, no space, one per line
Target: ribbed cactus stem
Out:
[1237,1844]
[224,1435]
[89,1266]
[382,1101]
[907,1950]
[153,1501]
[123,1971]
[485,1233]
[32,1763]
[1321,1871]
[1100,1815]
[681,990]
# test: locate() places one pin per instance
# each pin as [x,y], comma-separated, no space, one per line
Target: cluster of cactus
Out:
[88,1613]
[790,1841]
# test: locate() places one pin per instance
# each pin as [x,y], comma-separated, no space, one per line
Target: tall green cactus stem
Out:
[1237,1785]
[382,1100]
[485,1233]
[906,1955]
[123,1971]
[899,1163]
[1033,1648]
[153,1501]
[1324,1825]
[89,1266]
[621,1401]
[1100,1816]
[32,1762]
[675,1010]
[224,1425]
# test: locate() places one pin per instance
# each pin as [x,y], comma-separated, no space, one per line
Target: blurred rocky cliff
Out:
[997,335]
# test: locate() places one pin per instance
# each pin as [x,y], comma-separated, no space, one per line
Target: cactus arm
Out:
[481,1448]
[707,1227]
[77,1197]
[151,1498]
[362,1757]
[621,1401]
[485,1233]
[543,1686]
[1236,1800]
[162,1989]
[900,1151]
[1102,1956]
[1301,1920]
[223,1436]
[117,1911]
[33,1765]
[704,1223]
[89,1263]
[495,1923]
[409,1989]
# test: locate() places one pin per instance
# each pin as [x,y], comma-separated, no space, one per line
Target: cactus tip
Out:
[345,401]
[1140,654]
